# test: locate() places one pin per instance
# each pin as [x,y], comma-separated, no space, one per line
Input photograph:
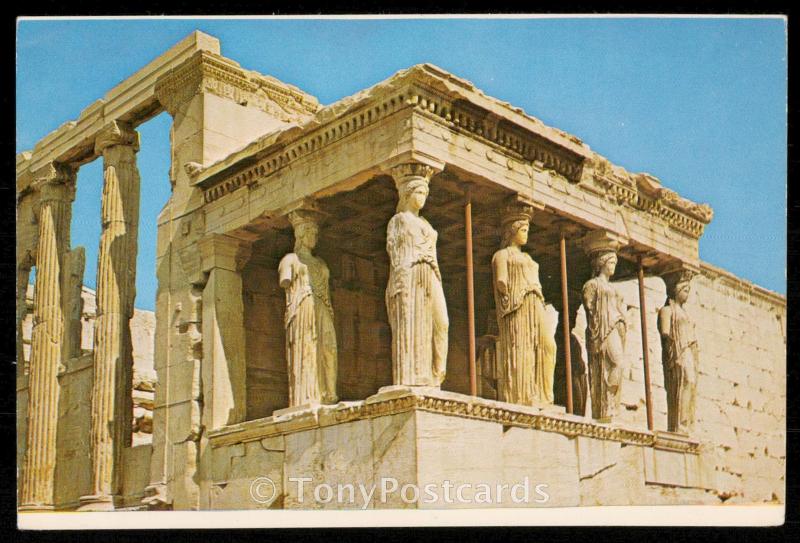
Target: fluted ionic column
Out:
[116,276]
[56,187]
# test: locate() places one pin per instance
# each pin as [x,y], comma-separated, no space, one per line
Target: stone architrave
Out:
[605,325]
[112,386]
[679,353]
[224,370]
[311,351]
[56,186]
[526,351]
[415,299]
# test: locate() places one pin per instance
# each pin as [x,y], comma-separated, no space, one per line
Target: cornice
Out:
[742,288]
[644,193]
[562,156]
[211,73]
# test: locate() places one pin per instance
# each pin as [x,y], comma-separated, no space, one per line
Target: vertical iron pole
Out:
[473,378]
[565,322]
[645,350]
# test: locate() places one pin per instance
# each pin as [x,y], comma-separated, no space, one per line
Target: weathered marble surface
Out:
[246,149]
[415,301]
[420,436]
[526,349]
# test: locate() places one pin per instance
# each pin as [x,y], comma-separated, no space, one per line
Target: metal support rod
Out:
[645,351]
[565,322]
[473,377]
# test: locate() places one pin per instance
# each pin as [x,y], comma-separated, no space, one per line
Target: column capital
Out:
[54,181]
[116,133]
[602,241]
[225,252]
[519,207]
[412,169]
[515,211]
[307,212]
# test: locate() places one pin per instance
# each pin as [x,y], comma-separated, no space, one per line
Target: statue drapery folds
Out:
[526,351]
[415,299]
[605,329]
[310,334]
[679,355]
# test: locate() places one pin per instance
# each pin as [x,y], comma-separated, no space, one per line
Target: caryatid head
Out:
[516,225]
[679,286]
[412,181]
[604,263]
[305,223]
[601,247]
[413,193]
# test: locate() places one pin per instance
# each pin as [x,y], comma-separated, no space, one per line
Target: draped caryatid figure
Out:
[605,332]
[679,354]
[526,350]
[414,296]
[310,334]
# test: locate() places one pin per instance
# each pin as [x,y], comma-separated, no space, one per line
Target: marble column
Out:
[116,276]
[679,351]
[224,369]
[415,299]
[56,186]
[605,324]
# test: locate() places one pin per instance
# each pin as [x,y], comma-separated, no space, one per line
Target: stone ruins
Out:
[418,282]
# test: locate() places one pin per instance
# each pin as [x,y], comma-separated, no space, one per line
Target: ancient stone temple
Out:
[417,283]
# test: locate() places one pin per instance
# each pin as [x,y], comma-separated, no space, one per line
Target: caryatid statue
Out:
[414,296]
[526,350]
[679,354]
[310,334]
[605,326]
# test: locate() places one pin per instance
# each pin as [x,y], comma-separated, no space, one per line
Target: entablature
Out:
[513,150]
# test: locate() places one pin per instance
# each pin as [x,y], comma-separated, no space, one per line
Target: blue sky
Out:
[699,103]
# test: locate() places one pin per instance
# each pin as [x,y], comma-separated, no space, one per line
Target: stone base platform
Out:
[420,447]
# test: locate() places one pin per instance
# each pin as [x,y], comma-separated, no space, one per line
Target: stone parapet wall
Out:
[428,437]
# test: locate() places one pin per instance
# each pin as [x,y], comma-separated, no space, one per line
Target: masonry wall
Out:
[741,403]
[267,381]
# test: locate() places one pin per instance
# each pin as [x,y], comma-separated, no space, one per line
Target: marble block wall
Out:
[400,455]
[741,390]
